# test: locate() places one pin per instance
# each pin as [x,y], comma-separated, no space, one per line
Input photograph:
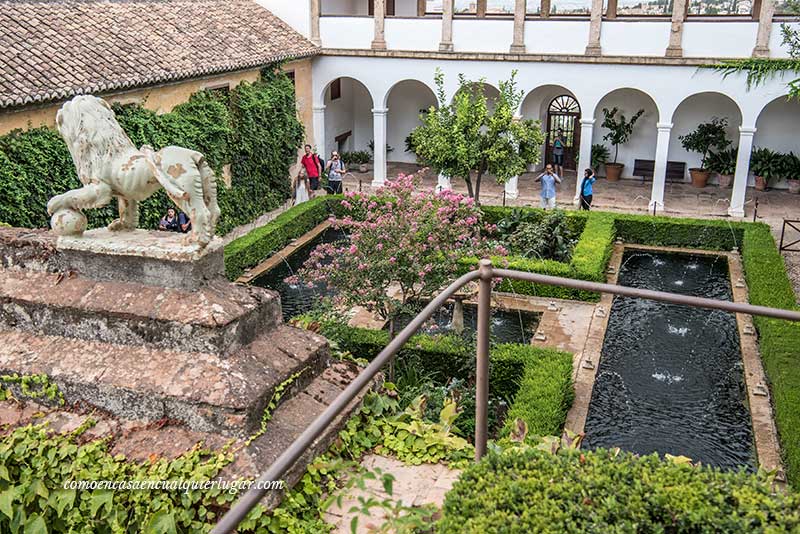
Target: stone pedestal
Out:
[146,327]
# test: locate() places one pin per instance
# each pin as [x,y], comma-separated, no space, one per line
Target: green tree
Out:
[463,137]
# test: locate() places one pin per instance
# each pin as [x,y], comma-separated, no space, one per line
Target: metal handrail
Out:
[485,273]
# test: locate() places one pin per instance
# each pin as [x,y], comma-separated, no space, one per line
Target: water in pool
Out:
[670,378]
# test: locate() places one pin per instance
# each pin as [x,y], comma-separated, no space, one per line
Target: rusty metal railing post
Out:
[482,363]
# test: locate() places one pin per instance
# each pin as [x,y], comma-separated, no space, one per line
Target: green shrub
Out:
[674,232]
[255,130]
[543,380]
[779,341]
[257,245]
[604,492]
[537,382]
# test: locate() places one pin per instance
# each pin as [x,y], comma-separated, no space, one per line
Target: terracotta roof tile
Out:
[55,49]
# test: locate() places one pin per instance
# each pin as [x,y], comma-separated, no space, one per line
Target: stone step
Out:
[290,420]
[205,391]
[218,317]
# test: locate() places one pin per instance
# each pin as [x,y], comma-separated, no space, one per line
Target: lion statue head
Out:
[92,133]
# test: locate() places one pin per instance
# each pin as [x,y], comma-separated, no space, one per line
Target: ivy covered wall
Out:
[254,128]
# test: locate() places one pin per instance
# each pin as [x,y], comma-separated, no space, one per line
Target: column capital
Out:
[747,131]
[380,111]
[664,126]
[318,109]
[588,122]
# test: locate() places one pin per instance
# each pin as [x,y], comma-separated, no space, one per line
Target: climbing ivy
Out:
[254,128]
[31,387]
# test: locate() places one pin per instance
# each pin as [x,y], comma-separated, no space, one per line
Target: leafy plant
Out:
[549,238]
[600,155]
[706,137]
[723,162]
[789,166]
[359,157]
[371,146]
[766,164]
[462,138]
[619,129]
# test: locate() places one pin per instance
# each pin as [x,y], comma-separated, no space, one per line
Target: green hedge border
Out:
[589,258]
[764,270]
[249,250]
[537,380]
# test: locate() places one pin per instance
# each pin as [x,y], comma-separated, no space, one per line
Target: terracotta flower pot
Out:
[699,177]
[794,186]
[725,180]
[614,171]
[761,183]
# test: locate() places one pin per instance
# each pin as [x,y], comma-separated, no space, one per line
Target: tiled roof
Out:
[54,49]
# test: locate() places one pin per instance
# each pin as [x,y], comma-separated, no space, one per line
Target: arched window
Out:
[563,116]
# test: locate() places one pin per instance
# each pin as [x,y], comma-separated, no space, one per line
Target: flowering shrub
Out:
[404,246]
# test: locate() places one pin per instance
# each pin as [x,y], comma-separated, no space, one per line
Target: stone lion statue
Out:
[110,166]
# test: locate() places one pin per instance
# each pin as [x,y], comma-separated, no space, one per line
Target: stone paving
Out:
[413,485]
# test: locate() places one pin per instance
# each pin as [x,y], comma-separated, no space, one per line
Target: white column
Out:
[446,45]
[679,10]
[443,183]
[584,155]
[736,209]
[512,187]
[314,14]
[660,170]
[379,132]
[596,21]
[518,43]
[765,15]
[379,43]
[318,124]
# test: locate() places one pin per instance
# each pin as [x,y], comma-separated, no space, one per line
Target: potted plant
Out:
[358,157]
[724,164]
[619,132]
[765,165]
[790,171]
[705,138]
[600,155]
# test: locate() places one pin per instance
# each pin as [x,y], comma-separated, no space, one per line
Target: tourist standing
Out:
[301,186]
[586,189]
[549,180]
[313,167]
[336,170]
[558,152]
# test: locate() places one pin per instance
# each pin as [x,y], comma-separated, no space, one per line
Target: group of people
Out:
[551,176]
[175,221]
[308,179]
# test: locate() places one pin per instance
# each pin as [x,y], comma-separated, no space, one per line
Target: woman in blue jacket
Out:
[586,189]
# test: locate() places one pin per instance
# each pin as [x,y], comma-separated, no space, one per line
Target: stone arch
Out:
[406,101]
[348,115]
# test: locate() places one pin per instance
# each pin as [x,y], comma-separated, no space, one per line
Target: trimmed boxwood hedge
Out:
[259,244]
[605,492]
[537,381]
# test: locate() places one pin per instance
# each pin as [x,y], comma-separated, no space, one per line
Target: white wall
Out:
[405,102]
[691,112]
[352,112]
[776,49]
[413,34]
[642,144]
[346,32]
[554,37]
[725,39]
[473,35]
[295,14]
[642,38]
